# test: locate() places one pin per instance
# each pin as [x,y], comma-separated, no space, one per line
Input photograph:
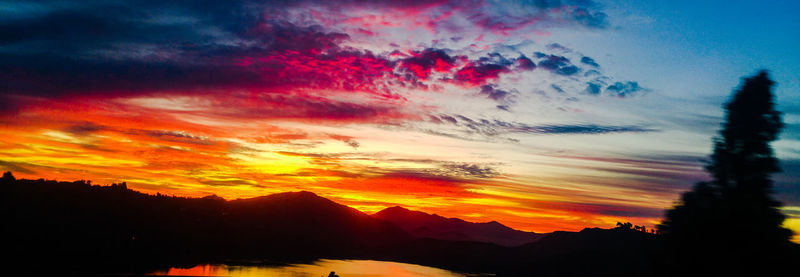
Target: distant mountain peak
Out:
[302,193]
[305,192]
[426,225]
[213,197]
[395,209]
[294,195]
[297,200]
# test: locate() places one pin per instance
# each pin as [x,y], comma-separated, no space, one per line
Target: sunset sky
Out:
[543,115]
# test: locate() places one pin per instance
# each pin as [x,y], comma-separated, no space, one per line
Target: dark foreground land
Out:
[74,227]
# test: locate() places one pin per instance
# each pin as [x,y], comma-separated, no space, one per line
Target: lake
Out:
[343,268]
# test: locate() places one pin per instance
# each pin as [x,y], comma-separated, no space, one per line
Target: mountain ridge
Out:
[88,228]
[424,225]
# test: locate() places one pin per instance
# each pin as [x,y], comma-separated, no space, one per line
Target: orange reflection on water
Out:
[344,268]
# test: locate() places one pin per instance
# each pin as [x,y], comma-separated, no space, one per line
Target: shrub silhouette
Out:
[731,223]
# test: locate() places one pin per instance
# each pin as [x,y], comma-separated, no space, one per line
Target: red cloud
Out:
[347,70]
[475,74]
[423,63]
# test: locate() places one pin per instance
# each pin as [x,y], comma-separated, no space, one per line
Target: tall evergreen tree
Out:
[732,223]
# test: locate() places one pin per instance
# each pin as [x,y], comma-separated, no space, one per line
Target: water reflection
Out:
[343,268]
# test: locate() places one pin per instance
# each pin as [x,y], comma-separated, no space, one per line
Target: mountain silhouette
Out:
[83,229]
[307,217]
[424,225]
[78,225]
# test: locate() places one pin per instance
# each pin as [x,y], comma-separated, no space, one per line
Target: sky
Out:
[542,115]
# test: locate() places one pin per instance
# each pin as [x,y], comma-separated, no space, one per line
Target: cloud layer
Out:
[454,107]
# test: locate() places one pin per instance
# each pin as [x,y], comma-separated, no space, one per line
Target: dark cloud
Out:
[10,104]
[102,49]
[15,167]
[578,129]
[664,177]
[434,169]
[665,174]
[53,76]
[226,183]
[282,36]
[312,155]
[489,67]
[593,89]
[500,23]
[495,58]
[475,74]
[126,29]
[281,106]
[455,175]
[84,128]
[556,64]
[452,170]
[505,17]
[568,70]
[172,136]
[410,4]
[624,89]
[786,186]
[194,67]
[559,47]
[615,210]
[422,63]
[557,88]
[147,47]
[287,57]
[548,4]
[449,119]
[590,19]
[465,119]
[470,170]
[524,63]
[91,26]
[495,128]
[492,92]
[591,72]
[589,61]
[314,172]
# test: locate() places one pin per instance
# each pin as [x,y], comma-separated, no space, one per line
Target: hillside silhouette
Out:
[77,227]
[424,225]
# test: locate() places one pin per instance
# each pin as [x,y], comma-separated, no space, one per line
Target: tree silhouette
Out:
[8,177]
[732,223]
